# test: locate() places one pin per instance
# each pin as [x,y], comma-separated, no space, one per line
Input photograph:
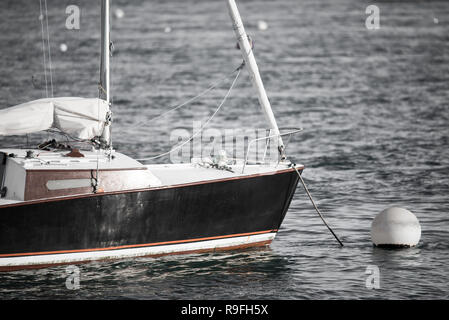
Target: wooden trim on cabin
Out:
[108,180]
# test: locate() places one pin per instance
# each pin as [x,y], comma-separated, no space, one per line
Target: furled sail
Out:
[82,118]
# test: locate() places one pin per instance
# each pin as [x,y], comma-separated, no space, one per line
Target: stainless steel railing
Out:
[290,133]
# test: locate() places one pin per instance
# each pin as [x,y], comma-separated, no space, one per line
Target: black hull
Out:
[201,211]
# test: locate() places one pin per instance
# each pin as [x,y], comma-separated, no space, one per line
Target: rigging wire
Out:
[48,48]
[43,7]
[41,18]
[204,125]
[213,86]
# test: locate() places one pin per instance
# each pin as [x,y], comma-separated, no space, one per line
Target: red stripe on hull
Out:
[134,245]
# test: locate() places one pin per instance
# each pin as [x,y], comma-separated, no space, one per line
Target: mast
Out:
[250,61]
[104,66]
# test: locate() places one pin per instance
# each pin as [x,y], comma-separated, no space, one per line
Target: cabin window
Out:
[68,184]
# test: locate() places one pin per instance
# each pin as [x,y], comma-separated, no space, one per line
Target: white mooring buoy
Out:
[262,25]
[119,13]
[63,47]
[395,227]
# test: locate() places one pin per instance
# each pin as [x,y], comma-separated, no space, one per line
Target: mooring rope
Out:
[315,206]
[205,124]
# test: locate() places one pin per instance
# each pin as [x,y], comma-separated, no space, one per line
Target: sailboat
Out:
[61,206]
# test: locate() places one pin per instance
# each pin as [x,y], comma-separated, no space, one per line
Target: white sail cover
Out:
[82,118]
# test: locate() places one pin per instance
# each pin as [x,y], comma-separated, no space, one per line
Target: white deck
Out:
[174,174]
[162,175]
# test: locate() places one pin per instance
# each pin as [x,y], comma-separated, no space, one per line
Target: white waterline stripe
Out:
[134,252]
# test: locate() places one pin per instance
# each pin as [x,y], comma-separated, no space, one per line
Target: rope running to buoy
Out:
[315,206]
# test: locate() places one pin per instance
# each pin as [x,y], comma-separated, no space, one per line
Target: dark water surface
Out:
[373,105]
